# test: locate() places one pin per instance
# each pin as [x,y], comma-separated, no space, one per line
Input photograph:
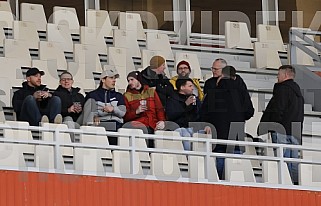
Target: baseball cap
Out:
[109,72]
[33,71]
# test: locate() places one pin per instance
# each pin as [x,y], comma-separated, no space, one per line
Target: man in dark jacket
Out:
[154,76]
[34,100]
[227,108]
[284,115]
[104,106]
[72,101]
[183,108]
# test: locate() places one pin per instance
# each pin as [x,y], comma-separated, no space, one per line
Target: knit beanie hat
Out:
[184,63]
[156,61]
[137,75]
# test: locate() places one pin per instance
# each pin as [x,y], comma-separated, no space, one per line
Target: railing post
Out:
[57,150]
[207,159]
[280,164]
[132,154]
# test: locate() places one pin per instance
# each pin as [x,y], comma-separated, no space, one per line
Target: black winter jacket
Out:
[25,91]
[162,84]
[285,107]
[67,99]
[228,103]
[178,112]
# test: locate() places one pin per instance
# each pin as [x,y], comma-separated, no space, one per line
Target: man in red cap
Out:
[154,76]
[143,106]
[183,72]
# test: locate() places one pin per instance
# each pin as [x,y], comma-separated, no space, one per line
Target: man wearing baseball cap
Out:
[154,76]
[183,72]
[104,106]
[33,103]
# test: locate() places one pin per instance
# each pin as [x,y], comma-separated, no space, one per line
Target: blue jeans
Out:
[185,132]
[288,153]
[31,113]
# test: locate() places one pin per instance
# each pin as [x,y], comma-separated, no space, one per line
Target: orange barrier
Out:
[30,188]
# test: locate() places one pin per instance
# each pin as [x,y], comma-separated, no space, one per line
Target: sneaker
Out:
[58,119]
[44,119]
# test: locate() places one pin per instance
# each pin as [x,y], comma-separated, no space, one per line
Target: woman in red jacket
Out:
[144,109]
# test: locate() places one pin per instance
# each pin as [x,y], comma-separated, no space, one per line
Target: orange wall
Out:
[28,188]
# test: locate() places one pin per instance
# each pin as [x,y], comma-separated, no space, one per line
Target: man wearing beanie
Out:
[154,76]
[144,109]
[183,71]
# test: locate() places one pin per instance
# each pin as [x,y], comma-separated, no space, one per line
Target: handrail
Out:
[133,149]
[295,33]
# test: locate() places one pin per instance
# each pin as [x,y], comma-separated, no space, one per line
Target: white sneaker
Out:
[44,119]
[58,119]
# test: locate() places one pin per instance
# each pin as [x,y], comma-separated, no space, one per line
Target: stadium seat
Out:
[237,35]
[238,170]
[52,51]
[17,134]
[66,16]
[61,36]
[44,157]
[270,34]
[164,166]
[127,39]
[34,13]
[12,155]
[131,22]
[6,16]
[121,163]
[266,56]
[16,49]
[93,36]
[196,164]
[309,175]
[63,137]
[12,70]
[159,43]
[87,54]
[252,124]
[2,116]
[26,31]
[270,173]
[95,136]
[139,142]
[99,19]
[196,169]
[171,144]
[90,160]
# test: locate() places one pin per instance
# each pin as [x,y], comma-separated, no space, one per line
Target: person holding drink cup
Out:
[143,105]
[72,101]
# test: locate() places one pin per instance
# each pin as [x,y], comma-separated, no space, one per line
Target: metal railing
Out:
[132,149]
[302,39]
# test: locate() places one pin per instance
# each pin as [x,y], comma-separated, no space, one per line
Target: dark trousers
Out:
[31,113]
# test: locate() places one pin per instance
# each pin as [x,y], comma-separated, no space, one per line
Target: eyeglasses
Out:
[182,68]
[66,79]
[215,68]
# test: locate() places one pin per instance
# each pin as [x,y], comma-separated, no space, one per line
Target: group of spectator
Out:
[152,100]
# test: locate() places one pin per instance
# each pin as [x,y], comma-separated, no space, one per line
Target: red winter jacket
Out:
[155,110]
